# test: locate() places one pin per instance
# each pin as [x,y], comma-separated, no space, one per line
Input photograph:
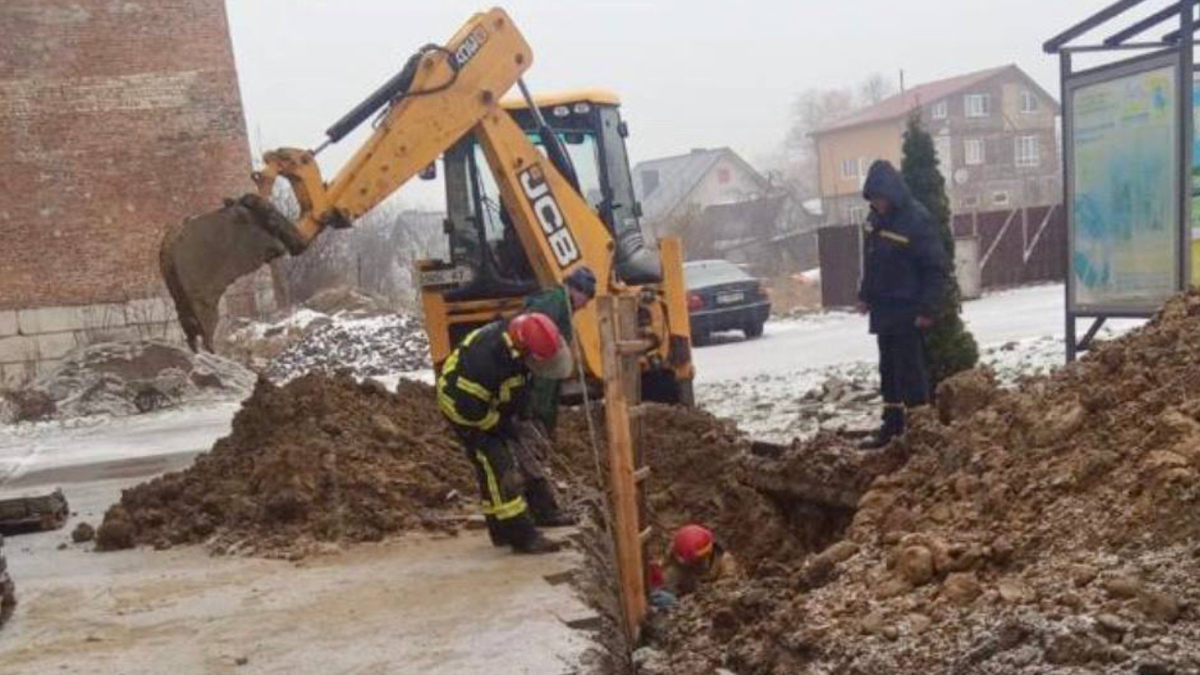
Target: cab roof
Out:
[593,96]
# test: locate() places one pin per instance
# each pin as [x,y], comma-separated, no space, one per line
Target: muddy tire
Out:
[753,330]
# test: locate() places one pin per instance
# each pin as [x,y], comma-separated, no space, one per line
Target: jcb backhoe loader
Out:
[534,188]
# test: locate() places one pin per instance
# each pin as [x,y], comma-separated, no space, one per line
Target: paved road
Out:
[829,339]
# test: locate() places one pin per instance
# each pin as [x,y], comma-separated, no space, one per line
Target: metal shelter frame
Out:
[1169,49]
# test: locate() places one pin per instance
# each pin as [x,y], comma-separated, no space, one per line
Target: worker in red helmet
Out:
[695,557]
[482,386]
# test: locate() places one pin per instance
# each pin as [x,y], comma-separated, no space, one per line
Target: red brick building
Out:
[115,119]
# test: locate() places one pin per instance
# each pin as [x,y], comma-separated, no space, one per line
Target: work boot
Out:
[555,518]
[893,427]
[496,533]
[536,544]
[876,441]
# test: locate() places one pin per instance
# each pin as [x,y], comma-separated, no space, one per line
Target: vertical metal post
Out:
[1064,74]
[1186,134]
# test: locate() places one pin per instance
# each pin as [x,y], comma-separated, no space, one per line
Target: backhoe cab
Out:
[534,191]
[489,271]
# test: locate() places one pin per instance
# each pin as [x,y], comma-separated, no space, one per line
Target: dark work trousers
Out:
[531,450]
[903,377]
[501,487]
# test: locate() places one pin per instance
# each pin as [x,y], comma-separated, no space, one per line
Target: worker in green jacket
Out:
[558,303]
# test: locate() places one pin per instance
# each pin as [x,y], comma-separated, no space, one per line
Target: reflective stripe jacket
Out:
[905,269]
[484,380]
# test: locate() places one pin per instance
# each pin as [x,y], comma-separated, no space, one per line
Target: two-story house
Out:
[995,133]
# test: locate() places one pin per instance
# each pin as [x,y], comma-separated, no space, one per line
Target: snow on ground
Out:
[298,320]
[26,448]
[773,385]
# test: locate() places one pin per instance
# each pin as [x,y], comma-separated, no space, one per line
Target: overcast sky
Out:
[691,73]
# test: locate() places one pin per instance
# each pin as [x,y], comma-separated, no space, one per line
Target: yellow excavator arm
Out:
[443,94]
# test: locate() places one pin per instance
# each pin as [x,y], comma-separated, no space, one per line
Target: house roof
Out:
[901,105]
[678,176]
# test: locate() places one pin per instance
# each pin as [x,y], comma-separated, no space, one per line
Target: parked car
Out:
[721,296]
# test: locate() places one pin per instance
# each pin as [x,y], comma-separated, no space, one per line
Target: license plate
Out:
[729,298]
[445,277]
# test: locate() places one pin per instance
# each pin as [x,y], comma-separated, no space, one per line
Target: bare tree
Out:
[376,255]
[874,89]
[812,109]
[816,108]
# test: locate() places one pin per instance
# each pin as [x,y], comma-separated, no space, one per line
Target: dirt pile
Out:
[1048,529]
[694,462]
[127,378]
[321,459]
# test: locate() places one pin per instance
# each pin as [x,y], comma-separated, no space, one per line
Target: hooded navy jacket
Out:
[904,265]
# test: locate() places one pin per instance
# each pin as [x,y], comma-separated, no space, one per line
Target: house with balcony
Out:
[995,132]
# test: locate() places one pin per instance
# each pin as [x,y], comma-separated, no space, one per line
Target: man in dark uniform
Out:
[481,389]
[559,303]
[903,282]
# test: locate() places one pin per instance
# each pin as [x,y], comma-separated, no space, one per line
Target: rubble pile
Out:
[1047,529]
[844,398]
[321,459]
[367,347]
[127,378]
[335,330]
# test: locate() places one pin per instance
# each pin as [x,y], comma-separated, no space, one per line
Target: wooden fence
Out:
[1016,247]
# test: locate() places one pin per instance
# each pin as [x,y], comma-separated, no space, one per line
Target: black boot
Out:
[893,427]
[525,538]
[556,519]
[536,545]
[876,441]
[543,504]
[496,533]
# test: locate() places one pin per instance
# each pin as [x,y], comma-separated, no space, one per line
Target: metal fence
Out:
[1016,247]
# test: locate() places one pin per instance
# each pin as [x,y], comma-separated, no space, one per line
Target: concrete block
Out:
[41,320]
[18,349]
[49,320]
[149,310]
[47,365]
[103,317]
[16,375]
[56,345]
[8,322]
[117,334]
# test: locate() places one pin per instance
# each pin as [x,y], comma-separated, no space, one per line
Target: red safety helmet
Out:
[692,544]
[535,335]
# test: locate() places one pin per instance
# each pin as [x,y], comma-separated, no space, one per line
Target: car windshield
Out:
[709,272]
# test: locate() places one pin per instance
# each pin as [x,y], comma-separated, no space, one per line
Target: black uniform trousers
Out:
[903,376]
[500,485]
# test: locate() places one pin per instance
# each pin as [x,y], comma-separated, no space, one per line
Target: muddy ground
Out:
[1050,529]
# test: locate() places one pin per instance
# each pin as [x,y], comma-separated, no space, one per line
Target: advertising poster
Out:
[1124,192]
[1196,183]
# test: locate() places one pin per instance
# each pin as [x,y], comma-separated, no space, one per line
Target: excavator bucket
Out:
[201,256]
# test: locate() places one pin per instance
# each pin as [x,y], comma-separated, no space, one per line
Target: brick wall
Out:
[116,117]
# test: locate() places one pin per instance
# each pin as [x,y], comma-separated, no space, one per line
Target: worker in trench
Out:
[903,282]
[695,557]
[482,388]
